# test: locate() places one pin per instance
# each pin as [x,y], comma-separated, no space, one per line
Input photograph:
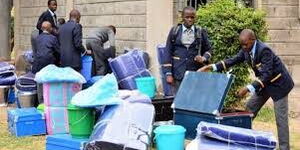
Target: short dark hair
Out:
[61,20]
[49,1]
[188,8]
[113,28]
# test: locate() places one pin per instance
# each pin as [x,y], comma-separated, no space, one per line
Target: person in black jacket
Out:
[50,16]
[187,49]
[70,38]
[95,42]
[47,49]
[273,80]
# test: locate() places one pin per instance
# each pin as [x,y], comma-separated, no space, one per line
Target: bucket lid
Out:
[169,129]
[41,107]
[144,78]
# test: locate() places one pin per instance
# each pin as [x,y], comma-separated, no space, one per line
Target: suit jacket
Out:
[102,35]
[180,59]
[46,16]
[272,75]
[70,38]
[47,52]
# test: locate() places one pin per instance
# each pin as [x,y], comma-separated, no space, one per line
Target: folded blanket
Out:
[4,67]
[51,74]
[7,78]
[237,135]
[26,82]
[103,92]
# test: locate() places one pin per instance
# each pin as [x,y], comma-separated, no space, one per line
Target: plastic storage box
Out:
[201,97]
[64,142]
[25,122]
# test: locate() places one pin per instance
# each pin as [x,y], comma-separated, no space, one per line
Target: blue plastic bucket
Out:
[86,70]
[169,137]
[146,85]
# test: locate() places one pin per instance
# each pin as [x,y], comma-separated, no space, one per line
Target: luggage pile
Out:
[118,111]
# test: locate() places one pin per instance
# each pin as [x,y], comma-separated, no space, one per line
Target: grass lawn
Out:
[265,121]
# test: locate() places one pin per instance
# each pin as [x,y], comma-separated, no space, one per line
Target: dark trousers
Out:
[100,57]
[281,114]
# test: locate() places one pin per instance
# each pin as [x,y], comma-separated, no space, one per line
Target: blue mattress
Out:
[127,67]
[206,143]
[168,89]
[129,82]
[235,135]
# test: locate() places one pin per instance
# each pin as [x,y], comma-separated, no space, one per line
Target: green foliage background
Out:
[224,19]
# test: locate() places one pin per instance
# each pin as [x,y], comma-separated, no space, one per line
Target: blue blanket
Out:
[7,75]
[168,89]
[127,67]
[241,136]
[26,82]
[51,73]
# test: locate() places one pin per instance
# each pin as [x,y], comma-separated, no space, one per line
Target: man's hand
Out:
[88,52]
[205,69]
[200,59]
[242,92]
[170,79]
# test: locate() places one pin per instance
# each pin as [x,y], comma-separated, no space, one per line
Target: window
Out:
[196,3]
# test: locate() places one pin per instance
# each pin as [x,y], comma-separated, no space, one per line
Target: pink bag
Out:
[59,94]
[57,120]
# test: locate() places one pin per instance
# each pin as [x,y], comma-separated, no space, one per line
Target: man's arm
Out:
[223,65]
[40,21]
[111,38]
[206,46]
[77,38]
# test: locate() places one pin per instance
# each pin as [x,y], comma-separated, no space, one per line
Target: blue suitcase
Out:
[201,97]
[26,122]
[64,142]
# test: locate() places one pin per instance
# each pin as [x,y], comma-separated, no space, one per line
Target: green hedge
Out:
[224,19]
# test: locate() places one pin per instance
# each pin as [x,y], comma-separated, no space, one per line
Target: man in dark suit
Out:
[95,43]
[273,81]
[47,52]
[49,16]
[47,49]
[187,48]
[70,38]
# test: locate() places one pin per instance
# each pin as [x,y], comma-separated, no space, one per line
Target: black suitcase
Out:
[163,110]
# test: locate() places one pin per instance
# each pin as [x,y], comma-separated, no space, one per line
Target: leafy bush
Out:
[224,19]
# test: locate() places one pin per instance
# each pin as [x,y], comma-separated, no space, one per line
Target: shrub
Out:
[224,19]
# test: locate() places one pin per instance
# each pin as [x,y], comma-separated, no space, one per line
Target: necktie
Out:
[251,57]
[55,19]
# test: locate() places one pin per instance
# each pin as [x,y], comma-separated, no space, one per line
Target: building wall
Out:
[284,38]
[129,16]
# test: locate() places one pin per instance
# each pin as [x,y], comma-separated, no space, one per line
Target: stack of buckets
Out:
[169,137]
[146,85]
